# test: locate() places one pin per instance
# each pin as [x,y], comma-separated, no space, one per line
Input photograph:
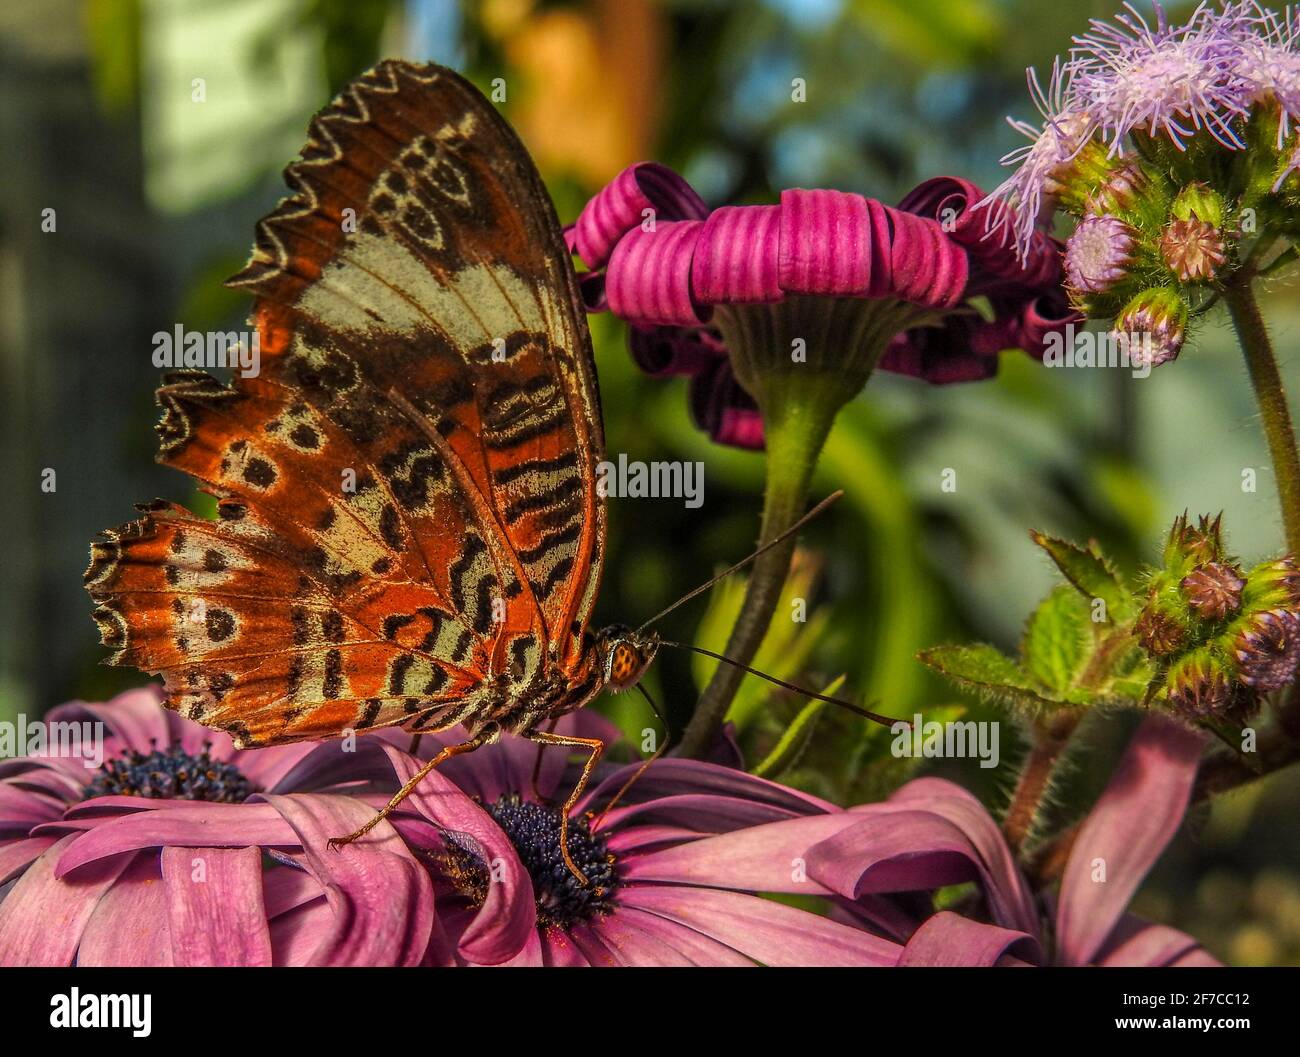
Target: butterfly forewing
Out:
[409,519]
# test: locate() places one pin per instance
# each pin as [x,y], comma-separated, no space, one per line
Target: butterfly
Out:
[409,532]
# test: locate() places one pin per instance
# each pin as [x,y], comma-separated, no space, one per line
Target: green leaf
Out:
[991,673]
[1056,641]
[786,751]
[1091,574]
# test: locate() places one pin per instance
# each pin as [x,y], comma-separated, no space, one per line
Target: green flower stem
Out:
[795,429]
[1261,363]
[802,360]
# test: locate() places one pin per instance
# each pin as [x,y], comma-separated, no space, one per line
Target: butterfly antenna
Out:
[663,747]
[875,717]
[745,561]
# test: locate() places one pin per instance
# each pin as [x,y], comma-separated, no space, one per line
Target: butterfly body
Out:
[409,532]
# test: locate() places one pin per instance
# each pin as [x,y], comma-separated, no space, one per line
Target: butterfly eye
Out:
[626,664]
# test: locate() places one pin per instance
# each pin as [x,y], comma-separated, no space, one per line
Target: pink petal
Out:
[17,855]
[558,949]
[737,257]
[762,858]
[1144,944]
[673,776]
[215,911]
[1008,893]
[298,934]
[722,408]
[897,851]
[950,939]
[129,924]
[711,814]
[826,243]
[768,932]
[136,717]
[1125,833]
[509,914]
[665,352]
[42,917]
[696,947]
[381,897]
[649,277]
[620,206]
[174,823]
[21,810]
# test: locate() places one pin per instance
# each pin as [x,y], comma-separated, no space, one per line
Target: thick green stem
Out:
[795,433]
[802,360]
[1271,398]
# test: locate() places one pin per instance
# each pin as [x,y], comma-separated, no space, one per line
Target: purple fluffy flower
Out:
[1269,60]
[1165,80]
[1098,254]
[1016,207]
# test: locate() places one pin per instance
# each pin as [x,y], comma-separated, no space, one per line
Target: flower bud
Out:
[1275,584]
[1154,324]
[1213,590]
[1119,192]
[1160,629]
[1194,545]
[1267,649]
[1098,254]
[1198,201]
[1200,687]
[1193,248]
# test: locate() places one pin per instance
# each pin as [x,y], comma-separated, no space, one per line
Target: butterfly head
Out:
[625,655]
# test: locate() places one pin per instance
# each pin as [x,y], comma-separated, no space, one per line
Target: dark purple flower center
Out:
[170,774]
[534,830]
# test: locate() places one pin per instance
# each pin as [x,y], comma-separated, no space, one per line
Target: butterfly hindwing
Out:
[408,485]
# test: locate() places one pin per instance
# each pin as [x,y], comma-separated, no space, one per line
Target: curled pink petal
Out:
[649,277]
[950,939]
[663,352]
[381,897]
[509,914]
[737,258]
[722,408]
[769,857]
[1047,314]
[622,204]
[826,243]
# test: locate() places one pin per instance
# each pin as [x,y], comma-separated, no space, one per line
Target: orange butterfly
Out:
[409,529]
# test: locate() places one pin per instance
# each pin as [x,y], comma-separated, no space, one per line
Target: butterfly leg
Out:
[537,764]
[406,790]
[645,766]
[594,747]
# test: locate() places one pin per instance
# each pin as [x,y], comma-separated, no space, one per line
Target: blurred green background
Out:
[156,130]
